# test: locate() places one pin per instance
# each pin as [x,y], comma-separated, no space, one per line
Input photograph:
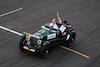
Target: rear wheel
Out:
[71,40]
[44,51]
[22,43]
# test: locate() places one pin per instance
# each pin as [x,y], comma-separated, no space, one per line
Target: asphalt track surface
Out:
[84,14]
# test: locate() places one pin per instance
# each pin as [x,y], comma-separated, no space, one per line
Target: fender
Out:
[23,35]
[46,43]
[68,36]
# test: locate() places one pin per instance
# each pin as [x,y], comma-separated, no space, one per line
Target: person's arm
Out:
[59,17]
[64,33]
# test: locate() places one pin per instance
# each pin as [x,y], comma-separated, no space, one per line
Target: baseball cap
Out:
[64,21]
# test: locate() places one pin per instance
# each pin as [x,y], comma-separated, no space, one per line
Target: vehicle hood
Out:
[42,33]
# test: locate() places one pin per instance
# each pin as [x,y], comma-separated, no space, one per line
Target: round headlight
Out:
[39,42]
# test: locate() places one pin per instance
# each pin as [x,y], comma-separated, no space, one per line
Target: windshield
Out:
[47,27]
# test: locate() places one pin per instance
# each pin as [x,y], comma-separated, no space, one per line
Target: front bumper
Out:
[29,49]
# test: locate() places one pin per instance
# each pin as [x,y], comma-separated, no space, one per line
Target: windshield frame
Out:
[48,28]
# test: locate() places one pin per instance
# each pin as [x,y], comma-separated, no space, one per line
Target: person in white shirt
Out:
[63,27]
[53,24]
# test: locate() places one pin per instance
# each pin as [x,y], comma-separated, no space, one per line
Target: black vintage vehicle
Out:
[42,41]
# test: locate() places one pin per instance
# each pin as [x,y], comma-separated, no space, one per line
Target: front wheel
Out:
[44,51]
[22,43]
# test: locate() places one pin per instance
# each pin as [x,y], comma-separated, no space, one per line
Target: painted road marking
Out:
[75,51]
[27,33]
[12,31]
[11,12]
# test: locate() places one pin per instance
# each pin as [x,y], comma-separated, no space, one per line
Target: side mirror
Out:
[71,29]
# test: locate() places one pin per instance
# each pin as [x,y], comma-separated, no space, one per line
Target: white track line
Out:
[11,12]
[12,31]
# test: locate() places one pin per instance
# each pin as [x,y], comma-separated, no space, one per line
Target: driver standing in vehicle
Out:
[63,27]
[53,24]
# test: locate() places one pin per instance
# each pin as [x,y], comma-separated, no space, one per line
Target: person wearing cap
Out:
[53,24]
[63,27]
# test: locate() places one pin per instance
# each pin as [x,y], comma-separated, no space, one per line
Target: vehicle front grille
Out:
[33,41]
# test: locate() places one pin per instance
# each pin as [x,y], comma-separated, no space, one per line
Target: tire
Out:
[71,40]
[44,51]
[22,43]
